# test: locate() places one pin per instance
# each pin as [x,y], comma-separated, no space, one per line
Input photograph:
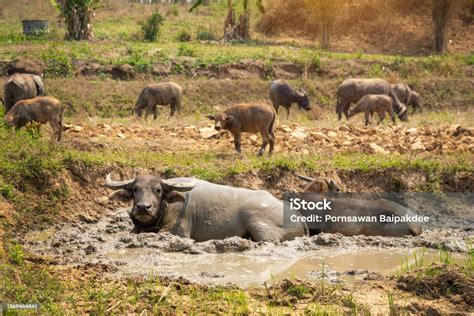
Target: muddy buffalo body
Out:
[343,206]
[21,87]
[352,90]
[201,210]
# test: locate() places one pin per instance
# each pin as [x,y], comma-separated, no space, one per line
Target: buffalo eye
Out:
[158,190]
[135,189]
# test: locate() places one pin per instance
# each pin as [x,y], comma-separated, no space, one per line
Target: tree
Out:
[78,17]
[236,29]
[326,13]
[440,15]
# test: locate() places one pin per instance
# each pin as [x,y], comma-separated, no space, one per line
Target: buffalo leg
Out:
[381,116]
[155,112]
[237,142]
[266,139]
[261,232]
[367,121]
[392,115]
[272,143]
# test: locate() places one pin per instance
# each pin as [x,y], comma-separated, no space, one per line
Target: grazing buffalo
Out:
[408,96]
[165,93]
[373,103]
[21,87]
[352,90]
[201,210]
[247,118]
[282,93]
[346,206]
[40,110]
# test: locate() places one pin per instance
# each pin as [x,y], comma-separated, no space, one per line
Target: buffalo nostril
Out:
[218,128]
[143,206]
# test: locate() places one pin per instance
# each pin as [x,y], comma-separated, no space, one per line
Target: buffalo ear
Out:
[122,195]
[211,117]
[174,196]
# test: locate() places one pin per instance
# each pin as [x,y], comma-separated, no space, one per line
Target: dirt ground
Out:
[292,138]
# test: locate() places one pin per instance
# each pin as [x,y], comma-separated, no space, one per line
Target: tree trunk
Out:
[325,34]
[440,19]
[236,30]
[78,18]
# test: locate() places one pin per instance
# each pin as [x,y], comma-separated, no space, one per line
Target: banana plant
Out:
[78,16]
[236,29]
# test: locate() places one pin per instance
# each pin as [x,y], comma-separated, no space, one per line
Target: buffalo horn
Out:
[118,184]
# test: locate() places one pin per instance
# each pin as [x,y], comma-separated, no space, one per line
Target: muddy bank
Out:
[327,68]
[109,241]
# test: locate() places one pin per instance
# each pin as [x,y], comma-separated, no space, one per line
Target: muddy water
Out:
[235,260]
[252,269]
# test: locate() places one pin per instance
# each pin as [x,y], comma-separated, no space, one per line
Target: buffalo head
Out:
[151,196]
[318,185]
[303,100]
[221,120]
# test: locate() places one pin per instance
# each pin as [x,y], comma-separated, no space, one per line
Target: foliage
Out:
[183,36]
[151,26]
[203,34]
[78,17]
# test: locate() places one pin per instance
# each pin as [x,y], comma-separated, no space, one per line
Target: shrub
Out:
[173,10]
[183,36]
[205,35]
[185,50]
[58,63]
[151,27]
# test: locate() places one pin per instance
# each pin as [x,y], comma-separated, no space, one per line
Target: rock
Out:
[87,219]
[253,138]
[299,135]
[77,129]
[208,132]
[319,136]
[286,128]
[412,131]
[376,149]
[417,146]
[120,135]
[103,200]
[332,134]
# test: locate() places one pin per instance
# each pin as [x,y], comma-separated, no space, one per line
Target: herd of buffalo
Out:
[202,210]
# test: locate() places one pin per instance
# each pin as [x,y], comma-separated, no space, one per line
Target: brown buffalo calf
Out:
[373,103]
[247,118]
[41,110]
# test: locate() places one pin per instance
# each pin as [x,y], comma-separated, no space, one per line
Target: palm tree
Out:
[236,29]
[78,17]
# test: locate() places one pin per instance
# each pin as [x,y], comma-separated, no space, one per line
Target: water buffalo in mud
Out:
[248,118]
[21,87]
[165,93]
[352,90]
[37,110]
[347,206]
[408,96]
[282,93]
[318,185]
[373,103]
[201,210]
